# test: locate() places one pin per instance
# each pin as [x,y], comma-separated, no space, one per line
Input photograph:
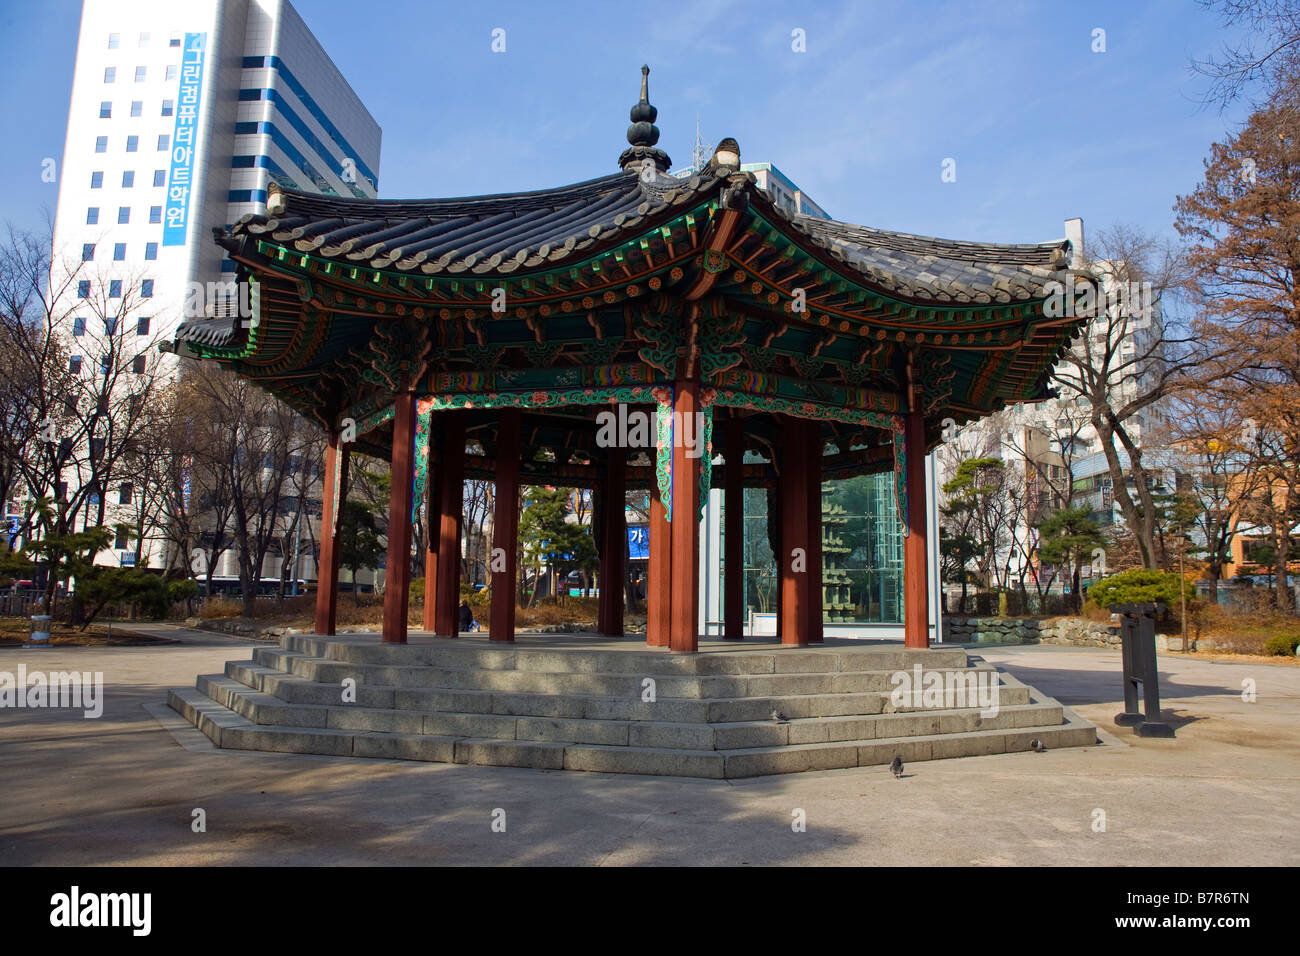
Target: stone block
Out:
[404,747]
[668,763]
[608,732]
[382,721]
[536,755]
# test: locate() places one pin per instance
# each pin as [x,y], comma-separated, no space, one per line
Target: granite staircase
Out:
[613,708]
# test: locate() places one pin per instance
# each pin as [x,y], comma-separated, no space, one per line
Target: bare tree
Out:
[1266,61]
[1135,353]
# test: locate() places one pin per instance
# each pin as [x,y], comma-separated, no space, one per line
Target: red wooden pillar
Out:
[327,566]
[733,534]
[613,544]
[916,611]
[432,521]
[451,506]
[505,527]
[684,610]
[815,598]
[794,556]
[658,593]
[397,579]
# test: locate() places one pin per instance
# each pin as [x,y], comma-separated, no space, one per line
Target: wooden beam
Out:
[327,566]
[793,557]
[814,494]
[397,577]
[659,577]
[451,507]
[733,562]
[505,528]
[916,610]
[683,627]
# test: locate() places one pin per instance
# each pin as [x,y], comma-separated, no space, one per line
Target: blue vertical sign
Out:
[180,182]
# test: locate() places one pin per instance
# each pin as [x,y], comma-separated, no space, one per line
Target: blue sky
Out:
[1041,128]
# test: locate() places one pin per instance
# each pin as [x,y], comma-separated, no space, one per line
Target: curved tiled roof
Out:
[479,234]
[503,233]
[946,270]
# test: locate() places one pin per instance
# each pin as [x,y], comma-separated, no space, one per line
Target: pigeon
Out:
[1037,747]
[896,766]
[779,717]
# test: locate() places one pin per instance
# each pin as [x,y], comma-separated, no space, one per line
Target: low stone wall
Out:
[1030,630]
[990,630]
[1078,632]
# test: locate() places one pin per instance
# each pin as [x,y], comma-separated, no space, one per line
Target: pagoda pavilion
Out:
[415,329]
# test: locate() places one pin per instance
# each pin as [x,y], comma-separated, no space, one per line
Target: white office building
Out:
[181,114]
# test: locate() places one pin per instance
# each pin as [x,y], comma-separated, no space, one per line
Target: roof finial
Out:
[643,132]
[643,155]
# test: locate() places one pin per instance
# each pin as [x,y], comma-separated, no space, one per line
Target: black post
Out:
[1138,641]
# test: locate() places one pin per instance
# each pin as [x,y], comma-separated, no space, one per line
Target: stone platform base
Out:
[590,703]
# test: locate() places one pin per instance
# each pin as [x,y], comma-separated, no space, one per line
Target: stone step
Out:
[597,684]
[262,708]
[471,653]
[230,730]
[300,690]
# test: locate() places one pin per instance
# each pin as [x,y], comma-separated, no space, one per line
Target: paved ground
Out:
[121,789]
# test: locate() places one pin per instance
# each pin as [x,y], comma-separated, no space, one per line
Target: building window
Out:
[119,251]
[123,214]
[101,144]
[124,493]
[110,74]
[140,73]
[128,178]
[106,110]
[70,405]
[137,107]
[160,177]
[142,325]
[174,40]
[164,143]
[83,289]
[137,365]
[171,72]
[144,39]
[79,326]
[96,180]
[151,250]
[105,366]
[120,542]
[155,214]
[132,143]
[115,288]
[113,40]
[146,288]
[96,453]
[74,365]
[92,215]
[110,326]
[88,252]
[169,107]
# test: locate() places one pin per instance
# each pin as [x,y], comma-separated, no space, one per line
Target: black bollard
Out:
[1138,642]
